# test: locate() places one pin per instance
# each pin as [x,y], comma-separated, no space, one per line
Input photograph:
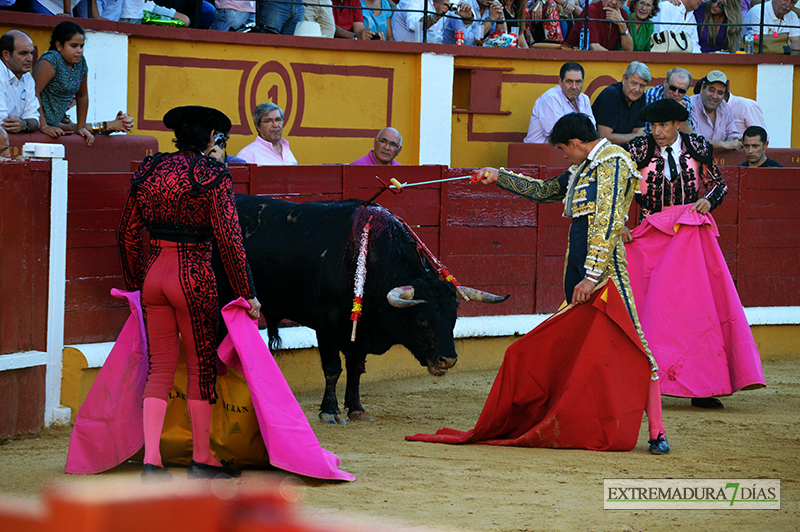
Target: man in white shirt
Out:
[19,107]
[405,23]
[778,19]
[269,148]
[566,97]
[672,18]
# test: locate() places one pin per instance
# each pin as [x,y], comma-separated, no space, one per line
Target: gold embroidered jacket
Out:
[602,189]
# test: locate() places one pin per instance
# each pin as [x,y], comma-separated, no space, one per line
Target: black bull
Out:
[303,258]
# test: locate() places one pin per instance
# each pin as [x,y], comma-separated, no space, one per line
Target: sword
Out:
[403,185]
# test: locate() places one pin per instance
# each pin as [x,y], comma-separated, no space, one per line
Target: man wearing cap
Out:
[597,192]
[269,148]
[566,97]
[185,200]
[677,83]
[712,114]
[386,147]
[681,291]
[617,108]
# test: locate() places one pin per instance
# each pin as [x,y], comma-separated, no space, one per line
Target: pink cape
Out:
[108,428]
[578,381]
[688,306]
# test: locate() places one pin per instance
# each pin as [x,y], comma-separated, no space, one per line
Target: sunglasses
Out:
[673,88]
[719,3]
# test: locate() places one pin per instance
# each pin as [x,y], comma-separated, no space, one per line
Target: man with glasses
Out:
[675,86]
[19,107]
[269,148]
[387,146]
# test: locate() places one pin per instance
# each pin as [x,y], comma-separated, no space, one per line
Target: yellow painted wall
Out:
[224,76]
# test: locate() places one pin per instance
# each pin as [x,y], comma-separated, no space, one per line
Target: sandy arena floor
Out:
[479,488]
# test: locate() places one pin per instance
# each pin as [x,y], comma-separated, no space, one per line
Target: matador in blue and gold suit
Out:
[597,195]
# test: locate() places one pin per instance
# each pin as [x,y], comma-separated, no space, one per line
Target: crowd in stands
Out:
[628,25]
[724,121]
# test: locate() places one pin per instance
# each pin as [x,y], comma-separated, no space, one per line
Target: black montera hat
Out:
[664,110]
[197,114]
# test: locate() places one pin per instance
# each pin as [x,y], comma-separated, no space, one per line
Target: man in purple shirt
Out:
[712,115]
[269,148]
[387,146]
[566,97]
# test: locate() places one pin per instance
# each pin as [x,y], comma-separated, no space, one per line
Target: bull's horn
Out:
[483,297]
[402,297]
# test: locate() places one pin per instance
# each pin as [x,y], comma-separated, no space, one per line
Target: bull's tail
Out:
[274,337]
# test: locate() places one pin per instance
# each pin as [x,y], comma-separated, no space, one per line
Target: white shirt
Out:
[676,154]
[57,8]
[404,24]
[772,23]
[551,106]
[17,96]
[669,14]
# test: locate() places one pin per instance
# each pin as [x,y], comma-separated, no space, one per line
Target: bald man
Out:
[19,106]
[386,147]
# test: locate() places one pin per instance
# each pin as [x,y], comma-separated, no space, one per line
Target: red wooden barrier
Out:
[488,238]
[769,237]
[25,245]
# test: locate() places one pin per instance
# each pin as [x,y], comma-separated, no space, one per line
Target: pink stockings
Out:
[653,409]
[200,416]
[154,411]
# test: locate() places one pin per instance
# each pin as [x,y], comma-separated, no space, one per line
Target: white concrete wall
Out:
[436,108]
[107,57]
[774,94]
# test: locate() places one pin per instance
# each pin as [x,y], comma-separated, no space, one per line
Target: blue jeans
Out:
[276,17]
[81,9]
[230,19]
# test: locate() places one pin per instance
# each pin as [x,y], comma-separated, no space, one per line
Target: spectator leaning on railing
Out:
[608,32]
[350,21]
[19,107]
[321,12]
[279,17]
[641,23]
[483,25]
[781,31]
[406,24]
[711,18]
[377,16]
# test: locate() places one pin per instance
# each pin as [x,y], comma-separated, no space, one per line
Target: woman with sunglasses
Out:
[714,35]
[641,16]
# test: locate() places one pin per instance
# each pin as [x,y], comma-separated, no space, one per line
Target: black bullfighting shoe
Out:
[153,474]
[659,445]
[197,470]
[707,402]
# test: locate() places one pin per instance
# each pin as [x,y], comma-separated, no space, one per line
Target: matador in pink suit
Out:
[184,200]
[688,305]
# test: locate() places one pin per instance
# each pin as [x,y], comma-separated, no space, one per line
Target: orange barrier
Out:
[179,506]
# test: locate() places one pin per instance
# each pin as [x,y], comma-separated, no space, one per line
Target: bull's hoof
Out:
[332,419]
[359,415]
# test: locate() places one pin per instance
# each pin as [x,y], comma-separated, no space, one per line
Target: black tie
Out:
[673,169]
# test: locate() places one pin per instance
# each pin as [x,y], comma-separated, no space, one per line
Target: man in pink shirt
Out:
[387,146]
[566,97]
[712,115]
[746,112]
[269,148]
